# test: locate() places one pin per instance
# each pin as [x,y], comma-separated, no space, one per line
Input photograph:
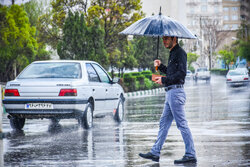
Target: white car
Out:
[237,78]
[63,89]
[189,75]
[202,73]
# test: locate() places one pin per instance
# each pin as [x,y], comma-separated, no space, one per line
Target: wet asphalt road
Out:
[218,116]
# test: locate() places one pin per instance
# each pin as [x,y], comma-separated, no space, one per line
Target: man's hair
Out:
[176,39]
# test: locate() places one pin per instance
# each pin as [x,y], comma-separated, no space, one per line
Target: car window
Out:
[52,70]
[236,72]
[201,69]
[92,75]
[102,74]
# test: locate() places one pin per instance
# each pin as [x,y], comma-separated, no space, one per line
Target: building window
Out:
[226,17]
[235,26]
[234,8]
[191,10]
[204,8]
[225,9]
[234,17]
[204,1]
[193,22]
[216,9]
[226,27]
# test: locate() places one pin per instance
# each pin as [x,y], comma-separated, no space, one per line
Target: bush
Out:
[148,83]
[140,79]
[135,74]
[146,72]
[135,81]
[127,75]
[130,83]
[219,71]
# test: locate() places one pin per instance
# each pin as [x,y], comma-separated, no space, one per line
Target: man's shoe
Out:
[186,159]
[151,156]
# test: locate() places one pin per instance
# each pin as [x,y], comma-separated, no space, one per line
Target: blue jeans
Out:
[174,109]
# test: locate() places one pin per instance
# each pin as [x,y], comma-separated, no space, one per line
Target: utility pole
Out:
[201,38]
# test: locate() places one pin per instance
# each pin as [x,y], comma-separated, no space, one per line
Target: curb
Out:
[144,93]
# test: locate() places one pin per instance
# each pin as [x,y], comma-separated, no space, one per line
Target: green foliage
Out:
[219,71]
[96,35]
[51,23]
[135,74]
[244,50]
[135,81]
[18,46]
[191,57]
[82,42]
[146,50]
[146,72]
[148,83]
[181,43]
[227,57]
[115,16]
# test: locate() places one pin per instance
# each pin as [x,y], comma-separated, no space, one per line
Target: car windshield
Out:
[201,69]
[52,70]
[236,72]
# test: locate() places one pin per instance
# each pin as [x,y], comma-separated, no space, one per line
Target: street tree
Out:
[191,57]
[82,42]
[127,58]
[243,42]
[50,24]
[227,57]
[97,45]
[244,50]
[115,16]
[34,10]
[74,44]
[146,50]
[18,45]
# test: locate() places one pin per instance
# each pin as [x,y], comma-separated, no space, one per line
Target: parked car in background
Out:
[63,89]
[237,78]
[202,73]
[189,75]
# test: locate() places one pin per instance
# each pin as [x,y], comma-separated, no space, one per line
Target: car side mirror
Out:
[115,80]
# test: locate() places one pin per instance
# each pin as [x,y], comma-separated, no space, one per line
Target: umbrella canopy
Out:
[158,25]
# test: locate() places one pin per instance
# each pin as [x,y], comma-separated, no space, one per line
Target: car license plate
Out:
[38,106]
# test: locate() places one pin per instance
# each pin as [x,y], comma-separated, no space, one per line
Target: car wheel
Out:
[86,120]
[17,123]
[119,113]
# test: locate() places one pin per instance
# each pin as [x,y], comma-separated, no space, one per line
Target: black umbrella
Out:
[158,26]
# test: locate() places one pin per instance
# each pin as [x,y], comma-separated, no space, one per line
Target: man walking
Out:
[174,103]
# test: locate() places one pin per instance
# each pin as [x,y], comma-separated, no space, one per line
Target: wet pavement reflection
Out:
[218,116]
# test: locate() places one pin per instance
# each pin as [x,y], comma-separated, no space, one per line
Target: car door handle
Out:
[93,90]
[106,90]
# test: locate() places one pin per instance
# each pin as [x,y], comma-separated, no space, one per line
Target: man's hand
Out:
[158,80]
[157,63]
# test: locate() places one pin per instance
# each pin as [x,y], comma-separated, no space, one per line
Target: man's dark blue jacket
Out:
[177,67]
